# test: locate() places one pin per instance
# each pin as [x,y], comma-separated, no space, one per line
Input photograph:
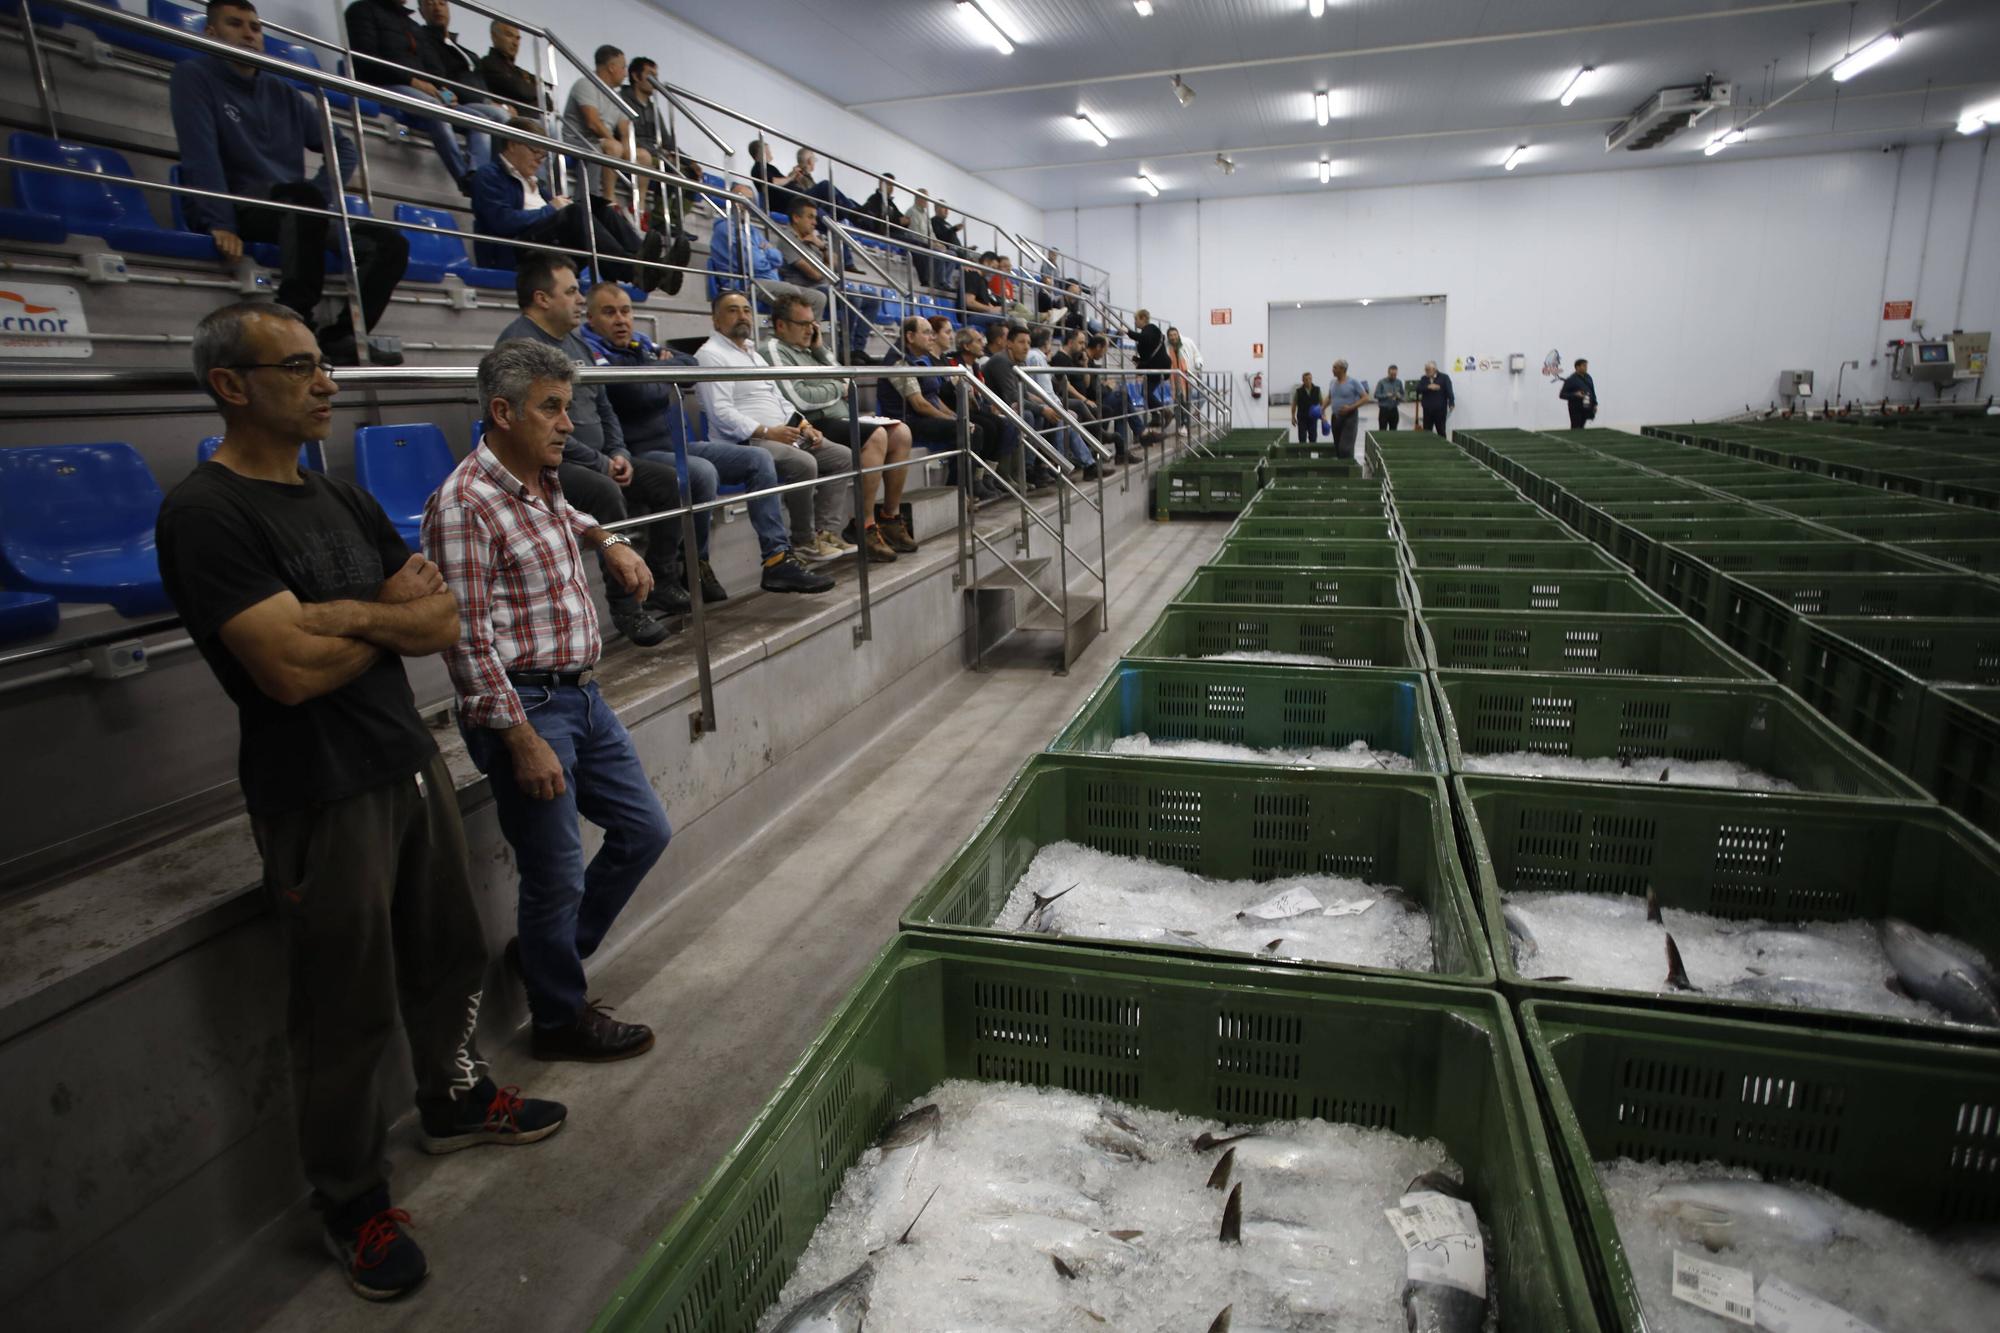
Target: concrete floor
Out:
[736,977]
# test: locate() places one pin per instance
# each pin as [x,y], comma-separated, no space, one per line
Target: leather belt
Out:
[549,679]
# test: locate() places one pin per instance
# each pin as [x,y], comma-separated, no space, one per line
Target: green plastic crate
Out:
[1310,471]
[1882,1123]
[1860,505]
[1410,510]
[1456,554]
[1958,752]
[1265,551]
[1920,527]
[1974,555]
[1680,531]
[1742,855]
[1831,556]
[1367,527]
[1933,649]
[1273,504]
[1867,696]
[1244,1045]
[1263,707]
[1539,590]
[1615,645]
[1350,636]
[1530,527]
[1818,593]
[1664,508]
[1204,486]
[1288,585]
[1759,724]
[1220,821]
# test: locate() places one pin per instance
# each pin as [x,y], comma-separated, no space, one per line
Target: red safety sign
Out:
[1256,349]
[1897,309]
[1219,315]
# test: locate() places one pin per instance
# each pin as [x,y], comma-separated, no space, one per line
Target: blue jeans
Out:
[439,133]
[566,908]
[698,484]
[746,465]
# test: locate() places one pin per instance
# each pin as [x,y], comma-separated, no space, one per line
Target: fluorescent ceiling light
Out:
[1368,300]
[1315,7]
[1974,119]
[1146,184]
[1724,140]
[1145,8]
[1579,81]
[1090,128]
[1513,158]
[982,25]
[1325,171]
[1868,57]
[1320,108]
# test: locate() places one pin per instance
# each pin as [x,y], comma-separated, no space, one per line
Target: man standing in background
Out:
[1306,409]
[1344,400]
[1434,399]
[1389,397]
[1580,392]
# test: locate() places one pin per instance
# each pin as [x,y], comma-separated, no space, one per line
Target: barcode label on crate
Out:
[1441,1241]
[1716,1288]
[1783,1308]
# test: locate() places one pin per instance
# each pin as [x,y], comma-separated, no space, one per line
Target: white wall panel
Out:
[1688,287]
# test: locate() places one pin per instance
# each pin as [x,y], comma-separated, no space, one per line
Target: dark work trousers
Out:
[1344,431]
[1580,414]
[567,906]
[1389,418]
[1308,427]
[655,489]
[372,898]
[1434,415]
[617,239]
[380,252]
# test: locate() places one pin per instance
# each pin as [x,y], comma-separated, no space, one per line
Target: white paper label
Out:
[1716,1288]
[1783,1308]
[1350,906]
[1290,903]
[1441,1241]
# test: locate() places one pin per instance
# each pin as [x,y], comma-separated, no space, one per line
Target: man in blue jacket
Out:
[762,264]
[246,132]
[508,200]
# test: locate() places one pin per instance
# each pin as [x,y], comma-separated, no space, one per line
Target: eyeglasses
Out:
[780,319]
[298,368]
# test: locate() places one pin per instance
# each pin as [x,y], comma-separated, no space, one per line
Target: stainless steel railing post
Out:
[355,318]
[39,63]
[865,628]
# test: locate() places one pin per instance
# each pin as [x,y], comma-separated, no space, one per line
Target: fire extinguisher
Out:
[1257,385]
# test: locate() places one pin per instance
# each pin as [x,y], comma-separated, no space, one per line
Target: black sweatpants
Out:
[617,239]
[1579,414]
[655,489]
[380,253]
[1434,415]
[373,900]
[1389,418]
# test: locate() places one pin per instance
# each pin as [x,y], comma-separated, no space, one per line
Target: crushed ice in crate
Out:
[1606,940]
[1271,658]
[1864,1263]
[1678,772]
[1016,1178]
[1359,754]
[1069,889]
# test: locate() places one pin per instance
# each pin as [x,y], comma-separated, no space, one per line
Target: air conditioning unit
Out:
[1666,113]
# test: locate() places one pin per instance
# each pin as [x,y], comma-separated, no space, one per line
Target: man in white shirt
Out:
[752,411]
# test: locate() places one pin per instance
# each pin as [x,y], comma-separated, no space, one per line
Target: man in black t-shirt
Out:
[303,599]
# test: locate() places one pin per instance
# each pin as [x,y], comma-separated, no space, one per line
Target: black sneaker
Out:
[490,1114]
[712,590]
[336,344]
[788,573]
[384,352]
[670,596]
[642,627]
[380,1259]
[595,1037]
[678,253]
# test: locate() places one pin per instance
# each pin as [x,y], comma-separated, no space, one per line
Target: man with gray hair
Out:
[304,600]
[1344,400]
[522,665]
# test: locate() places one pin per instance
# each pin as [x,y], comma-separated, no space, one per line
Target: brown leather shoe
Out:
[897,533]
[595,1036]
[878,550]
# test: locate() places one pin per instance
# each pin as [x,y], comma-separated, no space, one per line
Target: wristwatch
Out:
[616,539]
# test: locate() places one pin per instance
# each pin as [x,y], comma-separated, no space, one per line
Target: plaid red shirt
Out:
[512,561]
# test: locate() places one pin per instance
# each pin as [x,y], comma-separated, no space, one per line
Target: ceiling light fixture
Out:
[1145,8]
[1183,92]
[1147,184]
[1513,158]
[1974,119]
[1868,57]
[1090,128]
[1228,167]
[1316,8]
[1325,171]
[1724,140]
[982,25]
[1368,300]
[1578,81]
[1321,111]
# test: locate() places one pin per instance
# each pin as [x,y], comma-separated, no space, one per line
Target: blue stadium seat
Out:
[301,54]
[45,16]
[27,615]
[18,224]
[400,466]
[434,252]
[109,206]
[1135,395]
[76,522]
[312,456]
[144,43]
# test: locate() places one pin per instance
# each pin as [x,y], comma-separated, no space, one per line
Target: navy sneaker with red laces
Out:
[490,1114]
[367,1238]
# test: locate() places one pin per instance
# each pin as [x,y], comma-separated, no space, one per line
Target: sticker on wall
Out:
[1219,315]
[1257,350]
[39,320]
[1458,366]
[1898,309]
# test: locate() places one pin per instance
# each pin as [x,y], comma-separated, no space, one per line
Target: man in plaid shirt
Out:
[508,544]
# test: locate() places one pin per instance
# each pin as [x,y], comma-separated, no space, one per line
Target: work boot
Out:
[896,532]
[875,548]
[366,1238]
[669,596]
[785,572]
[712,590]
[641,626]
[594,1037]
[490,1114]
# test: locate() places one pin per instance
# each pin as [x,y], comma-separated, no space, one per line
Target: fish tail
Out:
[1677,976]
[1221,1322]
[1232,1217]
[1219,1178]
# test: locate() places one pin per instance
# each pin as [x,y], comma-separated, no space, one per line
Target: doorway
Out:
[1371,333]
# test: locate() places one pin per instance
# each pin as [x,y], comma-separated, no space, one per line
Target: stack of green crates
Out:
[1216,484]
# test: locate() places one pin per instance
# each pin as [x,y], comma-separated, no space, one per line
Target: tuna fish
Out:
[1941,972]
[1717,1212]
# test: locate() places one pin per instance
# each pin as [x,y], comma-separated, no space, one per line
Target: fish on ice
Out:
[1941,972]
[1716,1213]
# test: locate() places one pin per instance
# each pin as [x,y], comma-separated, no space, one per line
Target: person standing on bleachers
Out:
[509,543]
[599,475]
[1149,342]
[245,132]
[509,201]
[752,412]
[390,52]
[304,600]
